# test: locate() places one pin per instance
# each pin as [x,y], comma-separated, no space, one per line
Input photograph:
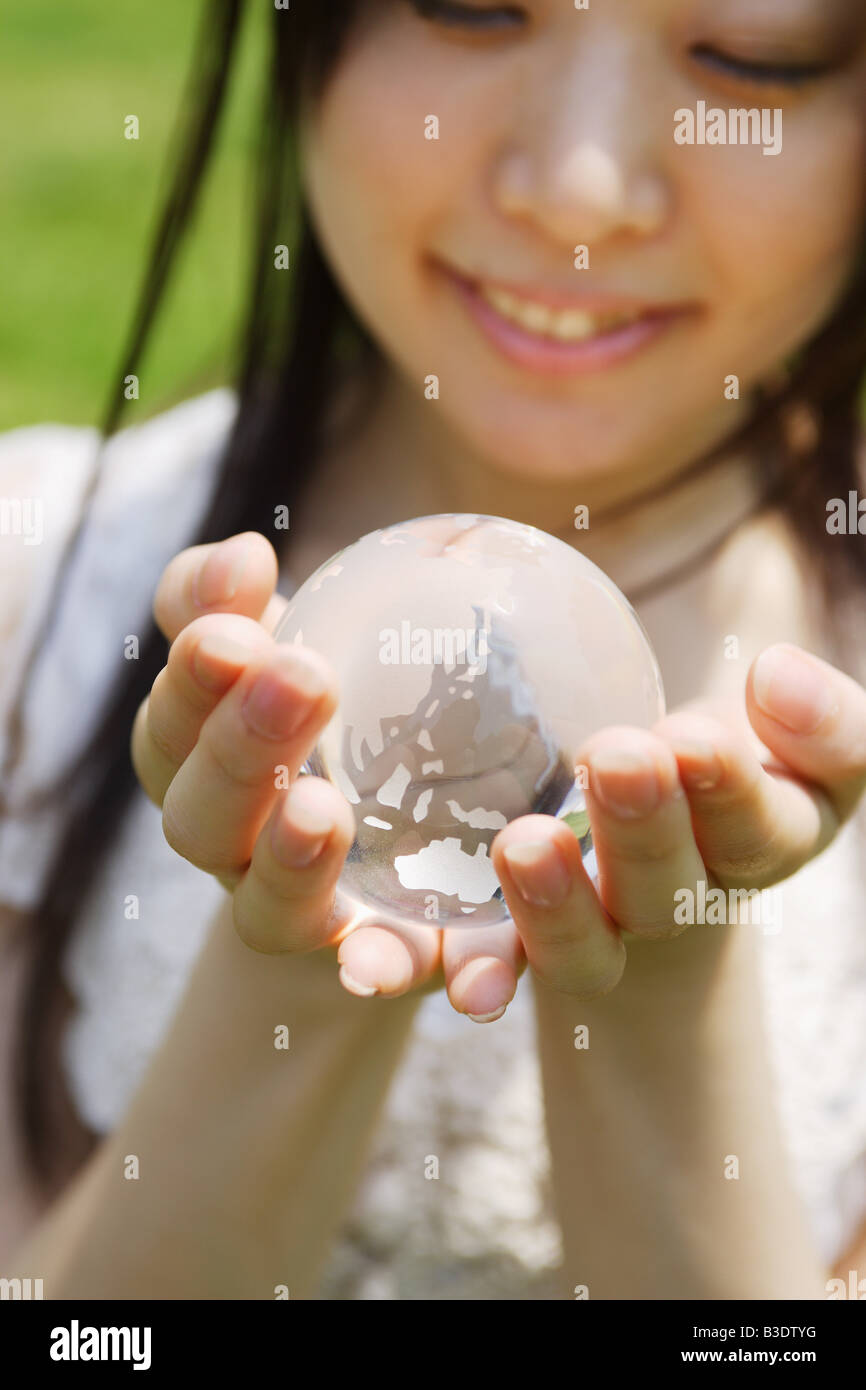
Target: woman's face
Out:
[556,129]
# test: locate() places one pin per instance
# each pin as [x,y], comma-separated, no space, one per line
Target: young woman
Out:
[692,379]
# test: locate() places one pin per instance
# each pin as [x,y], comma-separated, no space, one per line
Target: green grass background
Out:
[79,203]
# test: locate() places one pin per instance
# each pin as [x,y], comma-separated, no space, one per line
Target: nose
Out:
[580,160]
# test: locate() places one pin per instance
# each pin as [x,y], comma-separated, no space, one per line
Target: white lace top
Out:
[487,1229]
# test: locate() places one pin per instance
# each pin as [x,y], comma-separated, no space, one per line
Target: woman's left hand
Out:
[686,801]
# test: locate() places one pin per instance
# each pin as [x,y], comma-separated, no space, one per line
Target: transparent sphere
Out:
[474,655]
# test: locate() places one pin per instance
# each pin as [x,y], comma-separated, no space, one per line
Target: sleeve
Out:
[153,483]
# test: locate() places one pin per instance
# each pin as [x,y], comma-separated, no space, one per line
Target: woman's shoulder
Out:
[144,486]
[43,475]
[153,483]
[155,454]
[36,449]
[46,467]
[109,520]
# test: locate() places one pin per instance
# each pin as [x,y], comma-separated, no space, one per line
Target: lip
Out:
[551,357]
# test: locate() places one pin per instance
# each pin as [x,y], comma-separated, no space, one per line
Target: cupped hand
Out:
[234,715]
[228,722]
[689,800]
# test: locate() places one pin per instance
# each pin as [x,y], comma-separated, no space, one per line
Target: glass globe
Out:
[474,655]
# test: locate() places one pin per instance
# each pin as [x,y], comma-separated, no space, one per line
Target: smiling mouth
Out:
[560,325]
[550,333]
[556,320]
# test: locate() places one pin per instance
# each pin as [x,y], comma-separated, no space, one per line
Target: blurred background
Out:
[79,201]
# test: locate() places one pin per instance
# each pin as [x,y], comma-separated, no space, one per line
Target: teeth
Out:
[566,325]
[536,317]
[571,324]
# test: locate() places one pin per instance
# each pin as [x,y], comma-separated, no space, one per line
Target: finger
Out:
[204,660]
[249,748]
[482,966]
[383,960]
[813,718]
[274,612]
[285,901]
[641,829]
[237,575]
[753,825]
[569,940]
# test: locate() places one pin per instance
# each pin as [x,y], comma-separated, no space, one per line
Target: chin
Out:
[533,451]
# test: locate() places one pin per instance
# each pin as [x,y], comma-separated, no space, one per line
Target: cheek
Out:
[783,231]
[352,163]
[379,190]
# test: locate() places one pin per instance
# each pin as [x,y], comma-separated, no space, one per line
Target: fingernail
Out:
[266,709]
[290,848]
[625,782]
[354,986]
[218,578]
[298,836]
[484,977]
[488,1018]
[791,690]
[539,873]
[214,650]
[701,769]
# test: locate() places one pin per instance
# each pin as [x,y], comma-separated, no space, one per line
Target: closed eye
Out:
[450,12]
[784,74]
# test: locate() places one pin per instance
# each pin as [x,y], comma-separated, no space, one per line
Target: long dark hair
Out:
[294,342]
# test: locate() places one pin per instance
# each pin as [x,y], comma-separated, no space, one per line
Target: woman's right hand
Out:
[229,720]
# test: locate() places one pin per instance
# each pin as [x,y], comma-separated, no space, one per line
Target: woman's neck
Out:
[398,459]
